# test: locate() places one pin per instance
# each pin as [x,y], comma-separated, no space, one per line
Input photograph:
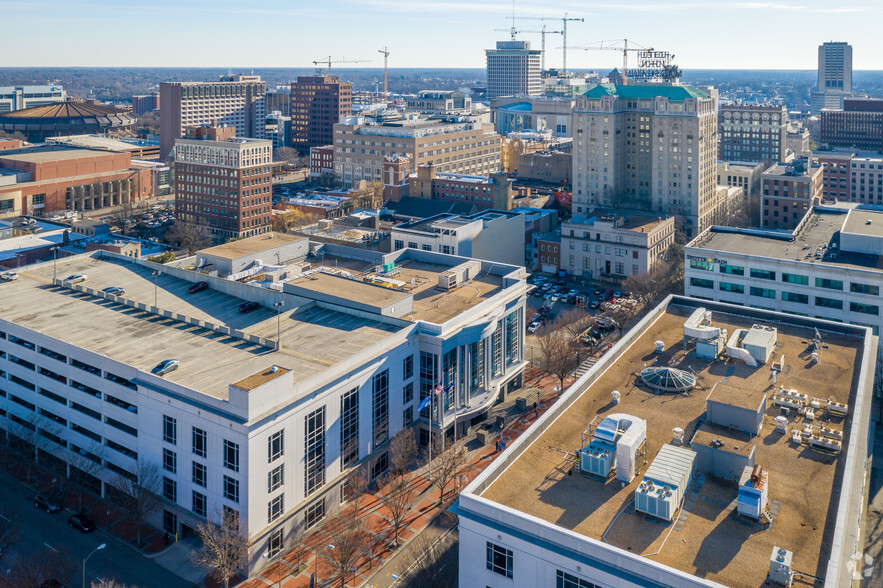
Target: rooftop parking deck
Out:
[708,538]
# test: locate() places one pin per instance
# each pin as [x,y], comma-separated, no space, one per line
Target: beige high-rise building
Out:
[648,147]
[360,147]
[513,69]
[235,101]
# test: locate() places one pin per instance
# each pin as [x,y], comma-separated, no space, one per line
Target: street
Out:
[42,533]
[443,529]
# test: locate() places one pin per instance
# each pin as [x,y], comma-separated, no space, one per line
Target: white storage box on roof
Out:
[760,342]
[665,482]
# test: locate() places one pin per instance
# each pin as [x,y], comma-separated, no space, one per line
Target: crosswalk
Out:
[584,367]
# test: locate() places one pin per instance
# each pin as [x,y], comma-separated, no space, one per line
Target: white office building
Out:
[14,98]
[269,411]
[826,268]
[513,69]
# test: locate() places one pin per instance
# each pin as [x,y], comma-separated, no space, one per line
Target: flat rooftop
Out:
[631,221]
[313,339]
[711,541]
[431,303]
[821,230]
[46,154]
[251,245]
[864,222]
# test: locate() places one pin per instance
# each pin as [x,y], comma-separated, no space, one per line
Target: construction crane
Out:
[543,32]
[385,52]
[329,60]
[616,45]
[564,20]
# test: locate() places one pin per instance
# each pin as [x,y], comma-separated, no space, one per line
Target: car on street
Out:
[197,287]
[114,290]
[47,503]
[9,276]
[532,327]
[248,306]
[164,367]
[75,278]
[594,304]
[617,294]
[554,298]
[81,523]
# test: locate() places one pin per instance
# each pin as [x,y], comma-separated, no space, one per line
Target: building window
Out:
[476,365]
[701,283]
[796,279]
[565,580]
[428,368]
[408,367]
[830,284]
[199,504]
[762,274]
[701,264]
[728,287]
[199,474]
[275,446]
[426,247]
[734,270]
[169,461]
[512,339]
[349,427]
[314,425]
[199,442]
[408,416]
[275,478]
[169,430]
[170,489]
[864,289]
[864,308]
[408,393]
[829,302]
[169,522]
[794,297]
[381,465]
[314,514]
[274,543]
[499,560]
[762,292]
[380,412]
[231,455]
[275,508]
[231,489]
[399,245]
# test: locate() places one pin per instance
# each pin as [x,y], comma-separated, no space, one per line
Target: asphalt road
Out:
[40,534]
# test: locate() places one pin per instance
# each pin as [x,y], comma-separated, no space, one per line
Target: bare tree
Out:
[369,197]
[620,314]
[42,568]
[427,565]
[643,286]
[292,219]
[84,464]
[125,215]
[187,236]
[402,451]
[148,123]
[448,463]
[16,135]
[9,528]
[397,495]
[139,496]
[349,537]
[224,549]
[560,354]
[356,486]
[288,156]
[574,321]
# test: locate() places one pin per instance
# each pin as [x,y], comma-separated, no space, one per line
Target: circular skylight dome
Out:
[668,379]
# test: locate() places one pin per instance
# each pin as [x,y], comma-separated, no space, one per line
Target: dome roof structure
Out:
[668,379]
[65,118]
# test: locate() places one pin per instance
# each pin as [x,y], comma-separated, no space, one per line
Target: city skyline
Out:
[427,34]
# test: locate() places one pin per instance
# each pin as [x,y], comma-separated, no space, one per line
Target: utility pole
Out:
[385,52]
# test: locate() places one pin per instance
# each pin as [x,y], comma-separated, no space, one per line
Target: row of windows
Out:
[786,296]
[500,561]
[855,287]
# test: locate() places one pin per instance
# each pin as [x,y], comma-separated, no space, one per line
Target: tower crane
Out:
[329,60]
[385,52]
[616,45]
[542,31]
[564,20]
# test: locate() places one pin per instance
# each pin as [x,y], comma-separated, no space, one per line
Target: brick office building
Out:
[317,104]
[858,126]
[789,191]
[46,179]
[223,183]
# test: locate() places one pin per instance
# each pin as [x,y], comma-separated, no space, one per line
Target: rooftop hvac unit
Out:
[780,567]
[598,459]
[753,492]
[837,408]
[623,436]
[781,424]
[698,326]
[665,482]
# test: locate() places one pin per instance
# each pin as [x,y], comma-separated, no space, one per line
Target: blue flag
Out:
[424,403]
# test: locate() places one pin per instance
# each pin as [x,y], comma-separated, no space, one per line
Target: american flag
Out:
[438,389]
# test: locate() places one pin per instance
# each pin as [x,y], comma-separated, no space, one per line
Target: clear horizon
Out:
[776,35]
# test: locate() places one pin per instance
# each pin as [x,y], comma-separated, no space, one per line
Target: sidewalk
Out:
[425,507]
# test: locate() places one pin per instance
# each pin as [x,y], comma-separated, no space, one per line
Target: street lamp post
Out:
[278,564]
[278,306]
[100,547]
[155,287]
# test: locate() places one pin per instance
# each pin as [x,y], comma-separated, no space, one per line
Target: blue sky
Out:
[780,34]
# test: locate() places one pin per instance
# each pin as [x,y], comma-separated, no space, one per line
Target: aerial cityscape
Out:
[386,294]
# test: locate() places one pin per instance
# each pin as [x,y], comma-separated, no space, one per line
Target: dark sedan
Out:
[82,523]
[249,306]
[47,503]
[197,287]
